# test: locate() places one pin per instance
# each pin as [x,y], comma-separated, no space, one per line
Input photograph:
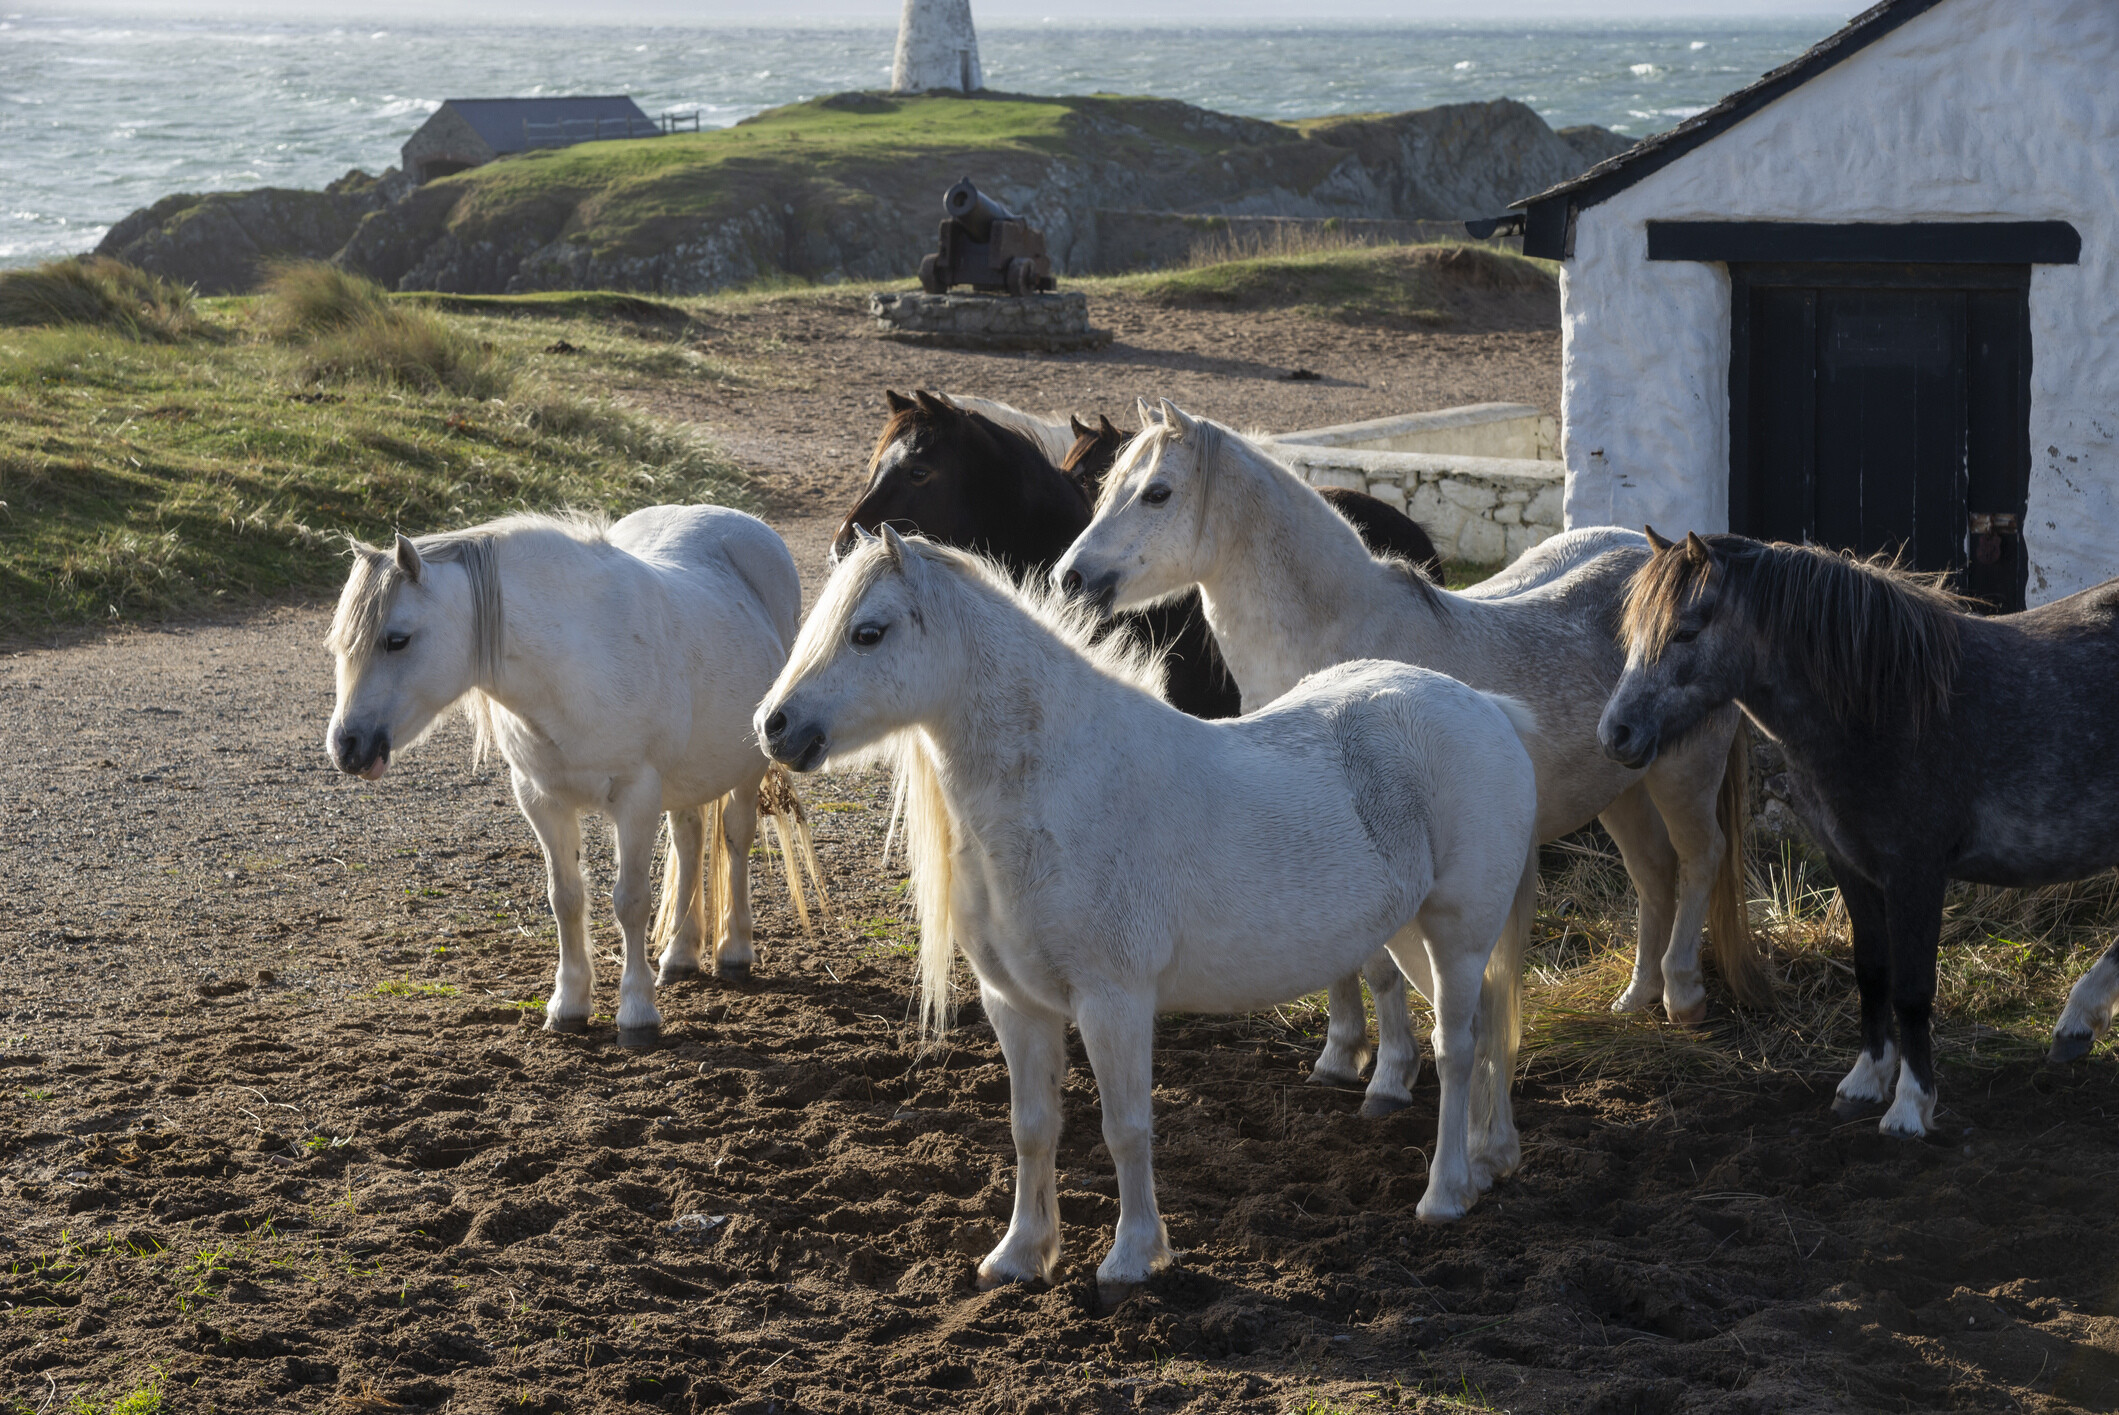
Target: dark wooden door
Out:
[1885,409]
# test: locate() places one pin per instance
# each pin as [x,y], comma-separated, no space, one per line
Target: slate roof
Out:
[500,121]
[1547,211]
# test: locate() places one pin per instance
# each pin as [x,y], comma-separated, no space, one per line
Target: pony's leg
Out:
[734,952]
[1685,800]
[636,812]
[1397,1051]
[1914,908]
[1118,1032]
[558,831]
[1458,961]
[683,884]
[1346,1036]
[1652,865]
[2088,1014]
[1035,1047]
[1869,1082]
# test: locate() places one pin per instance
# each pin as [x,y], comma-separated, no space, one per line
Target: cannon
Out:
[986,246]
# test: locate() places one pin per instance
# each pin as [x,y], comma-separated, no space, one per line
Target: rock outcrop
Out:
[849,187]
[219,242]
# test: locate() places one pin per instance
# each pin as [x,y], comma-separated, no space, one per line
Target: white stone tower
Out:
[937,48]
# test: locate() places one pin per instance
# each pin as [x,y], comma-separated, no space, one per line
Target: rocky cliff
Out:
[849,187]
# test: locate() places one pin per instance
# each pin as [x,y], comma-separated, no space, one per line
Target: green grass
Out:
[407,987]
[144,480]
[1349,283]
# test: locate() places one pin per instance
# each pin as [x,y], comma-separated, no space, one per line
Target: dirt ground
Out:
[278,1130]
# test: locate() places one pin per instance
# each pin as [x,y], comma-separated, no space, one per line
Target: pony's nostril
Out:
[776,724]
[1071,582]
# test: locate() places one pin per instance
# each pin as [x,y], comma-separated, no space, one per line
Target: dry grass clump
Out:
[310,297]
[2008,959]
[98,292]
[352,330]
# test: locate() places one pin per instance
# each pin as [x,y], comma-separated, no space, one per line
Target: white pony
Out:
[1289,588]
[615,667]
[1100,857]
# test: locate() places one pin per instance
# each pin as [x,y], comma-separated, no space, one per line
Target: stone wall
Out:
[1476,429]
[1478,510]
[1053,323]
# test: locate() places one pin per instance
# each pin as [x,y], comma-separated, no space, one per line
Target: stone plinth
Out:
[1055,323]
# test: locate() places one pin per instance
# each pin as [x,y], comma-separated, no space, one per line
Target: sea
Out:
[102,115]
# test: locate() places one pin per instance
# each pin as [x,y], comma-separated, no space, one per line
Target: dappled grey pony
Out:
[1925,744]
[1289,589]
[615,667]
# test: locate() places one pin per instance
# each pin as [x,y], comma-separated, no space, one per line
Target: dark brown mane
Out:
[1875,638]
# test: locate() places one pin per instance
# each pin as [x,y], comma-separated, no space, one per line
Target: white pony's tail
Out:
[920,818]
[1517,712]
[713,888]
[1501,1019]
[782,808]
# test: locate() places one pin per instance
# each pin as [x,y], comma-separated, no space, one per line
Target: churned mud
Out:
[278,1131]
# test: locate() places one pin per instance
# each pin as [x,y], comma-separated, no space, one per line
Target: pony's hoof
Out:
[732,972]
[1111,1294]
[1853,1107]
[569,1026]
[2070,1046]
[640,1038]
[1691,1016]
[1441,1210]
[1319,1077]
[676,973]
[1377,1107]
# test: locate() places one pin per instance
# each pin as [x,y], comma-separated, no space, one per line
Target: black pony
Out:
[1925,744]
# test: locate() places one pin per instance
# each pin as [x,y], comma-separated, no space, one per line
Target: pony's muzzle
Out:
[1098,593]
[799,748]
[362,754]
[1631,747]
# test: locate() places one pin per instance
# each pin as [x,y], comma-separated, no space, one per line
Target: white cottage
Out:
[1871,300]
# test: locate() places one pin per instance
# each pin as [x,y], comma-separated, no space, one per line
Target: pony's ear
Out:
[1104,427]
[895,401]
[408,559]
[1144,412]
[861,533]
[933,403]
[894,546]
[1177,417]
[1656,543]
[1696,549]
[1078,427]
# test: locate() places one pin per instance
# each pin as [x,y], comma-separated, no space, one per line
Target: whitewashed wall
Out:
[2004,110]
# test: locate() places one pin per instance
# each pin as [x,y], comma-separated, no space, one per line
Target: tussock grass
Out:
[310,297]
[2008,959]
[349,328]
[142,480]
[97,292]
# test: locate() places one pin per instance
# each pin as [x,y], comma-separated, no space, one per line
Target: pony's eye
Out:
[867,636]
[1684,636]
[393,642]
[916,475]
[1156,495]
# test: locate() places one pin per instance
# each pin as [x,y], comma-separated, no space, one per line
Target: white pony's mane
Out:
[372,585]
[1054,438]
[982,592]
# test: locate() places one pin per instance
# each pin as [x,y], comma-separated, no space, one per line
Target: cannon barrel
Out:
[975,210]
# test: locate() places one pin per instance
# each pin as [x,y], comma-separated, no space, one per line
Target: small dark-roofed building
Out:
[470,132]
[1866,302]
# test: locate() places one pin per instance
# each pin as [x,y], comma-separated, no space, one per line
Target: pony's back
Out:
[717,538]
